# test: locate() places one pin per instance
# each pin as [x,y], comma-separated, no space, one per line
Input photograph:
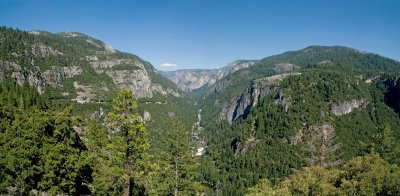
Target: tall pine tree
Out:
[128,145]
[181,167]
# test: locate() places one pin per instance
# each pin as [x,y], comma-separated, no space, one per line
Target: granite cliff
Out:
[191,79]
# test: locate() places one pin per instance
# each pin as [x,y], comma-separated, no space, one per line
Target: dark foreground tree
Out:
[41,151]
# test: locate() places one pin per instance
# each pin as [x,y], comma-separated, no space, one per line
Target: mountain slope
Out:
[319,106]
[73,68]
[227,94]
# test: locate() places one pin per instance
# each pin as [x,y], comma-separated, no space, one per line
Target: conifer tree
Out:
[128,141]
[180,166]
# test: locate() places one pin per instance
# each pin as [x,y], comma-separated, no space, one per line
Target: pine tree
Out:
[182,168]
[49,156]
[385,144]
[128,141]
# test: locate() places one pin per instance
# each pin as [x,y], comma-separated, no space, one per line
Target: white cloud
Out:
[168,65]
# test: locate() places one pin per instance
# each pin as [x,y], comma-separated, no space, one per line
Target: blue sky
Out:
[211,33]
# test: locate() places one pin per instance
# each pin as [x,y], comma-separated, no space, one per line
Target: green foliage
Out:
[366,175]
[40,149]
[370,174]
[386,145]
[179,171]
[128,146]
[276,127]
[264,187]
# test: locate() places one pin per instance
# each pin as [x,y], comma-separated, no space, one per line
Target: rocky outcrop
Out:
[21,75]
[240,148]
[200,151]
[44,51]
[233,67]
[191,79]
[284,67]
[346,107]
[372,79]
[109,49]
[100,66]
[90,41]
[240,105]
[84,93]
[137,79]
[146,116]
[71,34]
[139,82]
[55,76]
[218,87]
[98,114]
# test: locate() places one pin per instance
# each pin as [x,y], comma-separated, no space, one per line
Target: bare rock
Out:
[21,75]
[242,148]
[55,76]
[90,41]
[98,114]
[92,58]
[191,79]
[241,104]
[139,82]
[71,34]
[44,51]
[284,67]
[346,107]
[146,116]
[84,93]
[109,49]
[107,64]
[297,138]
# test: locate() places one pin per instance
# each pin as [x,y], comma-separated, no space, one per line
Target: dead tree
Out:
[321,147]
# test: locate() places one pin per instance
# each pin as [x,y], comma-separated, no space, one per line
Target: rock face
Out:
[139,82]
[98,114]
[146,116]
[56,75]
[44,51]
[284,67]
[135,78]
[21,75]
[240,148]
[188,80]
[346,107]
[234,66]
[219,86]
[191,79]
[240,105]
[100,66]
